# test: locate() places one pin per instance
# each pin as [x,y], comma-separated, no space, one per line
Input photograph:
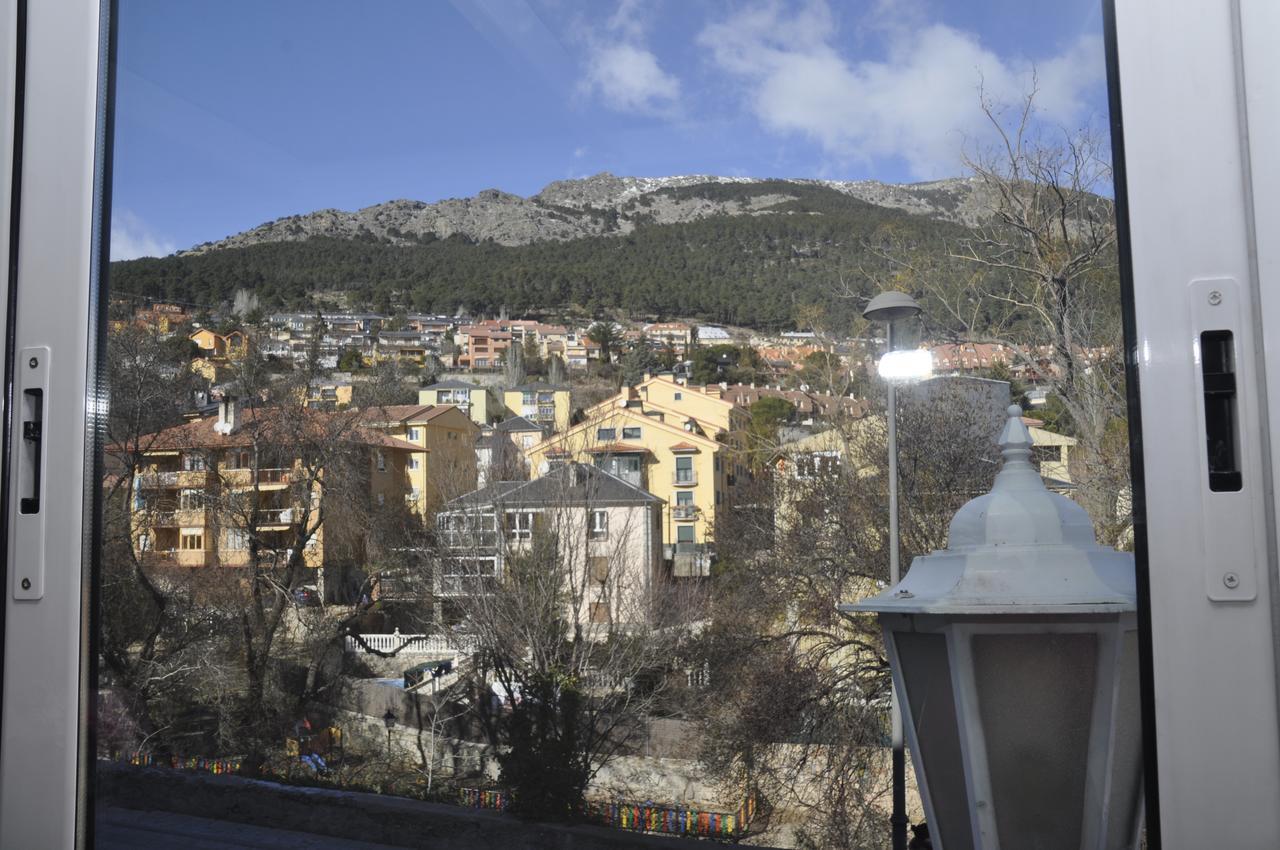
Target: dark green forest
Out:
[757,270]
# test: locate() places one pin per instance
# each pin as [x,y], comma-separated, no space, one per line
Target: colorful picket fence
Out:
[231,765]
[668,820]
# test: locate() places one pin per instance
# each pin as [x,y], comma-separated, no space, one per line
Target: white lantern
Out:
[1016,650]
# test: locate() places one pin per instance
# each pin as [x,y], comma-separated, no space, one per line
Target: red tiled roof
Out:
[282,426]
[685,447]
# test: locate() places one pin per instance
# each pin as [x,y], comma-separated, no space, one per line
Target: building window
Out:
[684,533]
[631,433]
[414,434]
[382,499]
[604,435]
[415,462]
[519,525]
[235,538]
[192,541]
[453,435]
[679,396]
[684,498]
[382,462]
[190,500]
[599,525]
[600,612]
[193,462]
[598,569]
[816,465]
[684,470]
[528,398]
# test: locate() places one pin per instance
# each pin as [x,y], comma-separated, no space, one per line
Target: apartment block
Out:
[244,488]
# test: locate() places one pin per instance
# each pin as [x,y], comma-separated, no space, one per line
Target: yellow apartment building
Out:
[679,443]
[480,403]
[223,490]
[545,404]
[443,462]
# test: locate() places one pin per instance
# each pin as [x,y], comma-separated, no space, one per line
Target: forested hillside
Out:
[756,255]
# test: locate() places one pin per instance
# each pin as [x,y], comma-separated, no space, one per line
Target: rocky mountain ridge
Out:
[601,205]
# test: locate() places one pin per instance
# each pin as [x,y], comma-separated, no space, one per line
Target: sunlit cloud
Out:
[622,71]
[919,101]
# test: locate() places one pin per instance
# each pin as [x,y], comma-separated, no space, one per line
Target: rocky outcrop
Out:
[599,205]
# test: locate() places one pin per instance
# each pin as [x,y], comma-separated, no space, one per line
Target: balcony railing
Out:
[179,557]
[470,539]
[159,479]
[188,517]
[275,516]
[684,478]
[684,511]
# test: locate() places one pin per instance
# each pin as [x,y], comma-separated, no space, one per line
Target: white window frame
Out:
[598,524]
[59,259]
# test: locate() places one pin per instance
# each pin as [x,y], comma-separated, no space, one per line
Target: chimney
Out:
[228,415]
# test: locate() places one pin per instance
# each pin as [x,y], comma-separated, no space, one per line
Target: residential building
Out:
[216,346]
[606,538]
[443,463]
[482,347]
[243,487]
[548,405]
[502,452]
[480,403]
[681,443]
[675,335]
[809,406]
[411,345]
[330,393]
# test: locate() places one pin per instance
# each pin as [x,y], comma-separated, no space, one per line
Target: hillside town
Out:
[420,496]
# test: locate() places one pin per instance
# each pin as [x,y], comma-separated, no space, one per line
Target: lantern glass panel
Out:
[1035,704]
[1126,765]
[927,670]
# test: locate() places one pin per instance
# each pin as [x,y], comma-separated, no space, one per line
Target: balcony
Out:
[266,478]
[167,519]
[685,511]
[158,479]
[684,478]
[483,540]
[179,557]
[691,560]
[275,516]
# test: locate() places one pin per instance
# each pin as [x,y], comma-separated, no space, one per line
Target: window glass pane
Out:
[585,214]
[1035,698]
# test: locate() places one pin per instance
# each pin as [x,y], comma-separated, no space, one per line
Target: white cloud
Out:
[918,102]
[622,70]
[132,238]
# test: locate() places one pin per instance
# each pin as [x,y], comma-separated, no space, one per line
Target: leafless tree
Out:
[1044,283]
[575,627]
[797,704]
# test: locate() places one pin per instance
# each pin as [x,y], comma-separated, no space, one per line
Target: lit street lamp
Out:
[1016,650]
[897,310]
[389,720]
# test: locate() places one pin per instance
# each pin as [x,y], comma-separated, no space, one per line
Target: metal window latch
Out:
[31,396]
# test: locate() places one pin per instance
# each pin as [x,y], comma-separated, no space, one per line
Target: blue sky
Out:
[237,112]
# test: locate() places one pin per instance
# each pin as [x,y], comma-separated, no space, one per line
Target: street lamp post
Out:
[1015,649]
[893,309]
[389,720]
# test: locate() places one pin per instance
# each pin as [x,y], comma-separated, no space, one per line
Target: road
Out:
[127,829]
